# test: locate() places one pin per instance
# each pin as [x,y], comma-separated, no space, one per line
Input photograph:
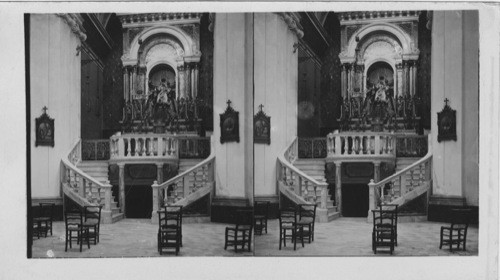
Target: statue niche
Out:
[378,104]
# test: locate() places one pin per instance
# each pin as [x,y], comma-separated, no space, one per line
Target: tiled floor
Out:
[342,237]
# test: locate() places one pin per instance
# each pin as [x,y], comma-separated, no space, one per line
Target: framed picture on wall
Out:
[44,130]
[447,123]
[229,125]
[261,127]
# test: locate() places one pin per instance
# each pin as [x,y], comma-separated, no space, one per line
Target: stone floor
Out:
[352,237]
[341,237]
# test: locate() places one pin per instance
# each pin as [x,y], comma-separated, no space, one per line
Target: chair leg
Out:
[302,236]
[294,237]
[280,240]
[66,242]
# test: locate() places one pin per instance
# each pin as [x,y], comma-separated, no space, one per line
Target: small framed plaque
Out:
[44,130]
[262,127]
[447,123]
[229,125]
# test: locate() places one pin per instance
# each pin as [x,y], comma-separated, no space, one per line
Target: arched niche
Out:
[393,31]
[162,71]
[186,42]
[380,71]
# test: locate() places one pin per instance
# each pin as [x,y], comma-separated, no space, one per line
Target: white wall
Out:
[455,76]
[233,80]
[55,83]
[276,88]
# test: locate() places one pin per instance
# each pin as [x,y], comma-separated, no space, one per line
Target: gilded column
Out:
[182,87]
[399,76]
[125,83]
[195,80]
[134,80]
[142,79]
[343,78]
[187,81]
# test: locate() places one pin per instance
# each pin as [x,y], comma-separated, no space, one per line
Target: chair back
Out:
[170,217]
[307,211]
[73,218]
[384,217]
[92,214]
[262,208]
[288,216]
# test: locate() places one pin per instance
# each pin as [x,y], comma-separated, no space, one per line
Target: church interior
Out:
[218,112]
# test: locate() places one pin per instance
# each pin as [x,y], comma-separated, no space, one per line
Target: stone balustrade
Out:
[298,186]
[360,145]
[143,147]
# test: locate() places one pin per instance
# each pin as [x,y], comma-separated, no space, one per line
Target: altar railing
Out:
[143,147]
[361,145]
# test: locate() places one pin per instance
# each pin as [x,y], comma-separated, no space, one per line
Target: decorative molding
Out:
[74,21]
[349,18]
[211,20]
[429,20]
[131,20]
[263,198]
[293,22]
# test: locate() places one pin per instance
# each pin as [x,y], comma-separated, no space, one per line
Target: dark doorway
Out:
[354,200]
[138,202]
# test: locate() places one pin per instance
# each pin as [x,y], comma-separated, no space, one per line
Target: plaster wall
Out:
[276,74]
[55,83]
[455,76]
[233,80]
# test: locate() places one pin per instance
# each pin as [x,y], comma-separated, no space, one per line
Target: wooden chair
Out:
[261,216]
[307,217]
[169,230]
[92,221]
[388,208]
[74,224]
[289,227]
[383,234]
[241,233]
[173,209]
[456,233]
[43,223]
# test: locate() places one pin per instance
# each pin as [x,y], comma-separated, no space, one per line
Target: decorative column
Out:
[142,79]
[414,77]
[181,81]
[187,81]
[399,77]
[343,79]
[126,84]
[134,80]
[406,78]
[349,79]
[121,186]
[196,81]
[155,195]
[338,186]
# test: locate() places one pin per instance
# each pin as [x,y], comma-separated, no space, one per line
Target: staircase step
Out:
[195,219]
[332,216]
[116,217]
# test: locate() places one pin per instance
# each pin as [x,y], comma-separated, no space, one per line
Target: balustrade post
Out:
[377,144]
[372,203]
[156,202]
[338,145]
[107,195]
[338,186]
[81,186]
[121,186]
[159,173]
[324,193]
[121,147]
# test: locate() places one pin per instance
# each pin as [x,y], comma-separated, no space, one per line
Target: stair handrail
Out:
[380,184]
[157,188]
[285,159]
[68,165]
